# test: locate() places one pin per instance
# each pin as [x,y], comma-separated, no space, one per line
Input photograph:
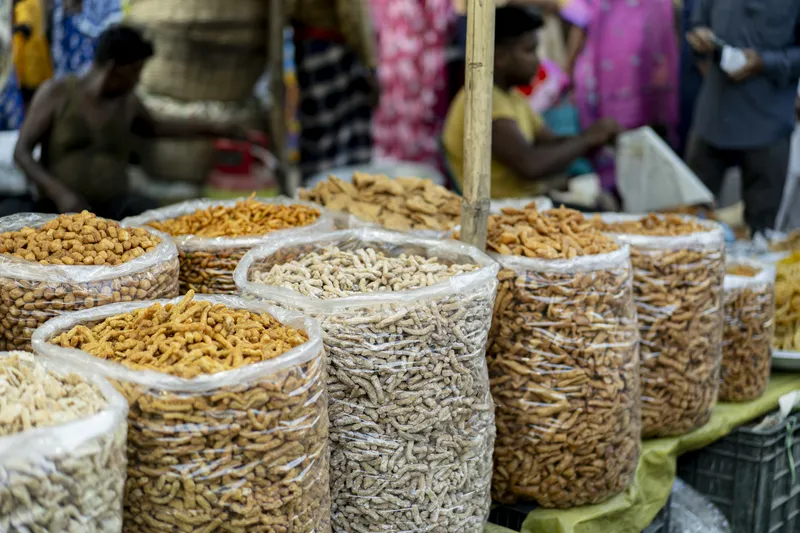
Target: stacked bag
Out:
[208,57]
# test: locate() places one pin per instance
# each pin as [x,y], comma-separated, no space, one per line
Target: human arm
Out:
[783,66]
[146,125]
[698,34]
[38,123]
[575,43]
[541,160]
[354,22]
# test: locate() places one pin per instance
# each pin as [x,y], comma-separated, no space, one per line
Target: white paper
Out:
[733,59]
[651,177]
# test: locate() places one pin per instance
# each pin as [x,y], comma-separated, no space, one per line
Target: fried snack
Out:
[787,300]
[749,330]
[563,362]
[50,265]
[412,425]
[678,268]
[790,244]
[82,239]
[401,204]
[243,451]
[76,485]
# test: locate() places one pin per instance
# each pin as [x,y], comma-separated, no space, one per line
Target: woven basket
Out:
[248,35]
[190,161]
[191,71]
[185,11]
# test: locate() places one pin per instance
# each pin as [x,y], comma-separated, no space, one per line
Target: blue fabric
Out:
[74,36]
[11,107]
[562,119]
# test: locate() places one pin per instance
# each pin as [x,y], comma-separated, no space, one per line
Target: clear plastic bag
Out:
[749,330]
[207,263]
[564,368]
[691,512]
[67,477]
[32,293]
[240,451]
[678,293]
[412,420]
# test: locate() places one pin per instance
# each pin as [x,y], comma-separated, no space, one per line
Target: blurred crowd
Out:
[383,79]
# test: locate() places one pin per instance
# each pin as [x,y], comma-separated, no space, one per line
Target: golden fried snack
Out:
[563,362]
[787,300]
[400,204]
[654,225]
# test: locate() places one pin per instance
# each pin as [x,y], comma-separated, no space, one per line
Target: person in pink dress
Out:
[623,59]
[413,36]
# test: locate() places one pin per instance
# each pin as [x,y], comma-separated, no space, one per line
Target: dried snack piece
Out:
[400,204]
[81,239]
[678,272]
[749,330]
[563,362]
[127,264]
[412,427]
[62,449]
[240,450]
[787,300]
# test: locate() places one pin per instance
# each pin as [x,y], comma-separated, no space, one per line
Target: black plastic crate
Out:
[510,516]
[748,476]
[660,523]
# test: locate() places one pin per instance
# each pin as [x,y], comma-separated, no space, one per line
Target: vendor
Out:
[525,153]
[86,127]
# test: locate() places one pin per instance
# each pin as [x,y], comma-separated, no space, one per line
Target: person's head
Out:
[515,43]
[120,54]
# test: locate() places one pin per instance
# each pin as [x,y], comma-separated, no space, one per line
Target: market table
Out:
[633,510]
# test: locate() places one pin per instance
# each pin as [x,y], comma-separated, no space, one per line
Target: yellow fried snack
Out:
[187,339]
[654,225]
[787,301]
[247,217]
[79,239]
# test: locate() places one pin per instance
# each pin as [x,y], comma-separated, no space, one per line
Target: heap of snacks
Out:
[542,203]
[405,325]
[789,244]
[568,437]
[678,268]
[49,265]
[787,300]
[228,419]
[749,290]
[62,449]
[212,236]
[400,204]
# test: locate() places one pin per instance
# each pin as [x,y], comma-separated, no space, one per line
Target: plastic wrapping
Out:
[237,451]
[412,421]
[749,330]
[694,513]
[32,293]
[678,293]
[68,477]
[564,366]
[207,263]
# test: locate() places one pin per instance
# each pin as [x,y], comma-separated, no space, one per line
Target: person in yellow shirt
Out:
[525,153]
[30,48]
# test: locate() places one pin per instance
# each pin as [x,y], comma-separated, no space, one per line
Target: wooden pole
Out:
[479,81]
[275,26]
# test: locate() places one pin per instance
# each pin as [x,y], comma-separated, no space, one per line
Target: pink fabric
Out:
[628,69]
[412,69]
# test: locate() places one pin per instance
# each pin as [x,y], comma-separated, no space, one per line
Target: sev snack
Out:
[185,340]
[228,420]
[787,300]
[80,239]
[653,225]
[400,204]
[563,361]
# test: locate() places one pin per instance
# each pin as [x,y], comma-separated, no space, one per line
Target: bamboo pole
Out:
[479,81]
[275,27]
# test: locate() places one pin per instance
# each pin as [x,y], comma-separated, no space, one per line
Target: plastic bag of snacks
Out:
[213,235]
[749,290]
[228,423]
[563,361]
[62,449]
[678,269]
[52,264]
[405,322]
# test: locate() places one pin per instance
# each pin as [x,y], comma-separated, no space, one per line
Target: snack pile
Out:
[400,204]
[787,300]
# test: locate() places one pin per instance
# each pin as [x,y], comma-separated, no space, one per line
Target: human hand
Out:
[702,40]
[753,67]
[603,132]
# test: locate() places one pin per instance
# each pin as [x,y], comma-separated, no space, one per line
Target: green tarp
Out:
[491,528]
[633,510]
